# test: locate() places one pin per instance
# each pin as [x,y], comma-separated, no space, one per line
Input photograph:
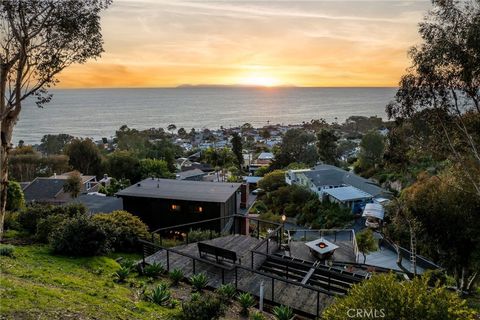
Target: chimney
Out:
[55,175]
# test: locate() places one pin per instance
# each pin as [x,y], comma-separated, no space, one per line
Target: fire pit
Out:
[321,248]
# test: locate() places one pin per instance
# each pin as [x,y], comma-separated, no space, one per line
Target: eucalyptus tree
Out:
[444,79]
[38,40]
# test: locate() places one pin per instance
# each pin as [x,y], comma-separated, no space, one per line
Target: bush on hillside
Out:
[47,225]
[10,221]
[29,217]
[123,229]
[202,307]
[79,236]
[15,197]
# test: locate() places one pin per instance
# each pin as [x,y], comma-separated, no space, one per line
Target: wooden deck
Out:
[344,253]
[290,294]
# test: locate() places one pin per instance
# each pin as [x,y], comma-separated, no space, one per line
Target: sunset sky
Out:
[155,43]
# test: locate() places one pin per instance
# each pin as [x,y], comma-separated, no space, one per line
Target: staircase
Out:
[331,279]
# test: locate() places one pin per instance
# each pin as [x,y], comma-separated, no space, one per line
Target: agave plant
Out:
[226,292]
[127,263]
[199,281]
[257,315]
[176,275]
[160,295]
[153,270]
[122,274]
[246,301]
[282,313]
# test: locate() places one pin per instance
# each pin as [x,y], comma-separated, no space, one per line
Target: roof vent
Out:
[138,184]
[153,178]
[158,185]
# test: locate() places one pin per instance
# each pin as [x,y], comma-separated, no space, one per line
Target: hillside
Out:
[38,285]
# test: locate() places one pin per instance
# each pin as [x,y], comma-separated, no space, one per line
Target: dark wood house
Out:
[163,202]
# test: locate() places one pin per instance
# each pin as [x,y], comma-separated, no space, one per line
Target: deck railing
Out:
[235,272]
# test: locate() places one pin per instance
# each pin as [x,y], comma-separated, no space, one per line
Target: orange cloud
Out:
[165,43]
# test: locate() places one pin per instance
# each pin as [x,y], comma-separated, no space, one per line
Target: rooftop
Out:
[181,190]
[97,204]
[43,189]
[190,173]
[323,175]
[347,193]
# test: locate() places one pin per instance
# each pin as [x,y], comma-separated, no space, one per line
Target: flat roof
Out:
[347,193]
[252,179]
[181,190]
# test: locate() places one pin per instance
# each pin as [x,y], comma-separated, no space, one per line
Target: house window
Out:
[198,209]
[175,207]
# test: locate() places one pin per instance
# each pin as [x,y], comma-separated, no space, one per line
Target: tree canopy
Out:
[39,40]
[386,297]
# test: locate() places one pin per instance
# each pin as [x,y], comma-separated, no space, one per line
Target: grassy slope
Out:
[38,285]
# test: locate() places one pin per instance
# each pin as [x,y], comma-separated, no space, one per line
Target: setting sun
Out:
[259,80]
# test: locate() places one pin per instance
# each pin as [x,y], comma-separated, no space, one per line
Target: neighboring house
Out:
[50,190]
[263,160]
[99,204]
[338,185]
[192,175]
[164,202]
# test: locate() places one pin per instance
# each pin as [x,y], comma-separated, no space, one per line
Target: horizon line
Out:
[223,86]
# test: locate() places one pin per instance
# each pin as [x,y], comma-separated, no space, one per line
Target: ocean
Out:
[98,113]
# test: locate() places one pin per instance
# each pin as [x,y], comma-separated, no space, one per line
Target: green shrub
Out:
[122,274]
[79,236]
[31,215]
[202,307]
[15,197]
[282,312]
[123,229]
[226,292]
[199,281]
[246,301]
[257,315]
[200,235]
[160,295]
[47,225]
[10,221]
[153,270]
[176,275]
[7,250]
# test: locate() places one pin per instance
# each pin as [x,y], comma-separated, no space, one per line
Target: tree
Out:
[372,147]
[84,156]
[445,79]
[73,184]
[386,297]
[265,134]
[114,186]
[297,146]
[182,133]
[273,180]
[124,165]
[246,127]
[237,149]
[327,146]
[154,168]
[39,40]
[171,128]
[15,197]
[366,242]
[446,209]
[54,143]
